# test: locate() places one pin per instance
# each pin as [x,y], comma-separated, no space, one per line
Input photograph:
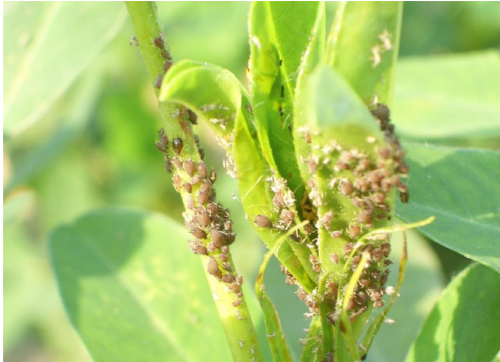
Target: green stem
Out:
[236,321]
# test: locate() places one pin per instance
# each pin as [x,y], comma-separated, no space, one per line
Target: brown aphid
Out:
[239,279]
[222,257]
[231,237]
[198,233]
[213,176]
[336,234]
[364,217]
[167,65]
[204,218]
[158,41]
[381,112]
[354,231]
[348,248]
[386,249]
[187,187]
[201,151]
[200,249]
[189,167]
[224,249]
[212,208]
[228,225]
[287,216]
[168,164]
[237,302]
[193,118]
[235,288]
[195,180]
[263,221]
[227,266]
[165,54]
[364,283]
[228,278]
[379,197]
[178,145]
[213,267]
[375,275]
[211,247]
[404,197]
[216,236]
[282,92]
[205,185]
[362,298]
[177,163]
[159,79]
[190,203]
[403,167]
[202,169]
[378,304]
[351,304]
[133,41]
[160,147]
[177,182]
[384,152]
[301,293]
[384,277]
[202,197]
[346,187]
[335,258]
[377,255]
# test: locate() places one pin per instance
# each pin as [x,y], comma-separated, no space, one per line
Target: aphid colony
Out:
[208,221]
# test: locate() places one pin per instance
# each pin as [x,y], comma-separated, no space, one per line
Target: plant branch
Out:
[231,306]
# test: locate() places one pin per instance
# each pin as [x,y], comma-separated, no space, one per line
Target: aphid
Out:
[354,231]
[195,180]
[235,288]
[281,62]
[375,275]
[228,278]
[227,266]
[217,237]
[228,225]
[231,237]
[177,182]
[204,219]
[202,169]
[200,249]
[348,248]
[160,147]
[239,279]
[159,43]
[222,257]
[202,197]
[224,249]
[390,128]
[177,163]
[384,277]
[377,255]
[381,112]
[133,41]
[326,219]
[189,167]
[282,92]
[237,302]
[187,187]
[163,138]
[159,79]
[301,293]
[362,298]
[198,233]
[385,153]
[192,117]
[346,187]
[178,144]
[168,164]
[404,197]
[335,258]
[379,197]
[212,208]
[165,54]
[211,247]
[287,216]
[201,151]
[378,304]
[263,221]
[386,249]
[364,283]
[166,66]
[205,185]
[213,267]
[213,176]
[190,202]
[351,304]
[312,164]
[336,234]
[364,216]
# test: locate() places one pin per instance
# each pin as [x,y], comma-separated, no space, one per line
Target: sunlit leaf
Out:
[131,293]
[460,188]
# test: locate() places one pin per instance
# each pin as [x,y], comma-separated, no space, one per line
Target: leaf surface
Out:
[131,293]
[463,326]
[460,188]
[40,62]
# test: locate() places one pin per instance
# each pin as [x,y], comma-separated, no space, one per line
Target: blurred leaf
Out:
[421,289]
[363,47]
[460,188]
[49,45]
[280,33]
[448,96]
[463,326]
[120,280]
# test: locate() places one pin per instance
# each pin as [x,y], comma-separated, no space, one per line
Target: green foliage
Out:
[121,280]
[463,326]
[36,75]
[447,183]
[461,98]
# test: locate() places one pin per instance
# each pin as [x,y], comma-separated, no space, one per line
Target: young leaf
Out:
[363,47]
[463,326]
[39,63]
[133,295]
[460,99]
[277,44]
[460,188]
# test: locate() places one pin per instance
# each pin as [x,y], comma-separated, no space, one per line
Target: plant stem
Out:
[236,321]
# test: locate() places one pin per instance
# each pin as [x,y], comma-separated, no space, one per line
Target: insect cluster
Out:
[208,221]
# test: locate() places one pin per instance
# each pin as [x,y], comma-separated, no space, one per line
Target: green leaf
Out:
[279,36]
[463,326]
[49,45]
[363,47]
[133,295]
[460,188]
[448,95]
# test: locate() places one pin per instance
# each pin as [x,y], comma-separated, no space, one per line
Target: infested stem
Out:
[233,310]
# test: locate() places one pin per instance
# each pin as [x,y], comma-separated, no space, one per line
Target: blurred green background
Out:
[82,137]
